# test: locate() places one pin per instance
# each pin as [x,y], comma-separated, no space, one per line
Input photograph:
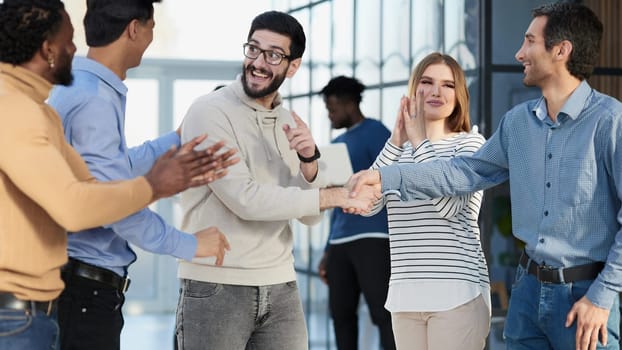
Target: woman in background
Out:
[439,291]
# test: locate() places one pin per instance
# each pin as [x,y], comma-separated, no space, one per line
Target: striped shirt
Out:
[437,262]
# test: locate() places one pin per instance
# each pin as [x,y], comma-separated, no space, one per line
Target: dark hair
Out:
[344,88]
[577,24]
[282,23]
[25,25]
[459,119]
[105,20]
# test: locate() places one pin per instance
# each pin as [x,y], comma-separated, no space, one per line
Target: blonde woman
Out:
[439,291]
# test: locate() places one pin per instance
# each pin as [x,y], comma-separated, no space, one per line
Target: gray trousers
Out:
[220,316]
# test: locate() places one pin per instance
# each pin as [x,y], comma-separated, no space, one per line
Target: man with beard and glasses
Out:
[92,111]
[45,187]
[252,301]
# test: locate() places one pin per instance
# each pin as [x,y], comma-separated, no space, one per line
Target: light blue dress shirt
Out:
[565,182]
[92,110]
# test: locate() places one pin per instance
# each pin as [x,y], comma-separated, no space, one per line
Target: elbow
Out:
[248,213]
[74,218]
[311,220]
[73,223]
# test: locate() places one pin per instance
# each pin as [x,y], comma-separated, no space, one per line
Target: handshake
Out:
[358,196]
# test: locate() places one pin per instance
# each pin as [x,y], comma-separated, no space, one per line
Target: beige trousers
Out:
[463,328]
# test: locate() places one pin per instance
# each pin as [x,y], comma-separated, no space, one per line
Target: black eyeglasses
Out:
[270,56]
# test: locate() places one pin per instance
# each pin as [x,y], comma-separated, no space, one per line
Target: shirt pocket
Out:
[577,180]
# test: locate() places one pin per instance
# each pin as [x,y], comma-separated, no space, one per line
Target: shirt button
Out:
[550,156]
[548,184]
[546,213]
[541,240]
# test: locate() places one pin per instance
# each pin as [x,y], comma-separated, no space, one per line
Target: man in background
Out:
[356,259]
[92,110]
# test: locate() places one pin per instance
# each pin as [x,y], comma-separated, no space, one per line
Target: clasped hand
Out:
[365,190]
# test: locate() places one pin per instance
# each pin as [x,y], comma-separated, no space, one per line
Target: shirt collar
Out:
[104,73]
[573,106]
[32,84]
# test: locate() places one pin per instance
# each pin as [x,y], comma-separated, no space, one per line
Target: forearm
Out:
[255,201]
[456,177]
[85,205]
[333,197]
[150,232]
[143,156]
[309,170]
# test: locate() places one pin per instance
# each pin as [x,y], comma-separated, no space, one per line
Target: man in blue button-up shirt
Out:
[93,115]
[562,156]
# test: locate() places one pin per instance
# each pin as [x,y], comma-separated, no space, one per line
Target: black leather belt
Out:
[9,301]
[549,274]
[78,268]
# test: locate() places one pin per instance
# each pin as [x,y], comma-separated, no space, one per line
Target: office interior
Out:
[198,45]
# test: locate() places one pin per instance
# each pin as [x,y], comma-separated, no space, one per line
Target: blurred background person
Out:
[356,259]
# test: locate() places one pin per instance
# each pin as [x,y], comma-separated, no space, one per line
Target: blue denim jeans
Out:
[23,330]
[222,316]
[537,315]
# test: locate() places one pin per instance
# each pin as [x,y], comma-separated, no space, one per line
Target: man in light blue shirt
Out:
[562,156]
[92,110]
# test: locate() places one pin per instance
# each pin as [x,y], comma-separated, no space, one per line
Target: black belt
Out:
[78,268]
[549,274]
[9,301]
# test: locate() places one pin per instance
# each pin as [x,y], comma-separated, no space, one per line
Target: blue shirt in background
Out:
[364,142]
[92,110]
[565,182]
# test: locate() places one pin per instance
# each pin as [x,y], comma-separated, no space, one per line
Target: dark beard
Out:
[274,85]
[63,76]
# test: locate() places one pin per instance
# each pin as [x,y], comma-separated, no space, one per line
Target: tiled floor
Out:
[148,331]
[155,332]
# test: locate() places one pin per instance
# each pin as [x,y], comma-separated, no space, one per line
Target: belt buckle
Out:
[547,274]
[125,285]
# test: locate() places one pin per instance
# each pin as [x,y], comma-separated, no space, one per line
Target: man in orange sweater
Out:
[45,187]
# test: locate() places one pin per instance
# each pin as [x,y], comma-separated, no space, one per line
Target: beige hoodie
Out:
[254,203]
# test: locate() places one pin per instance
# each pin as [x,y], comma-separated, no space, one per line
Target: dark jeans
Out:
[89,315]
[360,266]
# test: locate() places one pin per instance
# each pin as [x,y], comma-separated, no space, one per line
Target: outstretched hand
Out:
[364,177]
[218,164]
[177,170]
[363,201]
